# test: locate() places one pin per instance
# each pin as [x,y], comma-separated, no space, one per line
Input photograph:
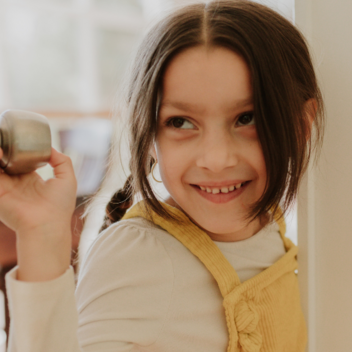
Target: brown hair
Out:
[283,79]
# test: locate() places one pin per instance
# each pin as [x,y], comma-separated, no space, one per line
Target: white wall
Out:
[325,206]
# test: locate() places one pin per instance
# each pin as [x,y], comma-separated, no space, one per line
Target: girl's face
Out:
[207,143]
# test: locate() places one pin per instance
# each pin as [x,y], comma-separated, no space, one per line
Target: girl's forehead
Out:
[199,76]
[200,59]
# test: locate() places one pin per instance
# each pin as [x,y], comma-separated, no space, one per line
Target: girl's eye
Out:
[180,123]
[246,119]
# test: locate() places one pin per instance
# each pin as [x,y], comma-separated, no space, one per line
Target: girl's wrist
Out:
[43,256]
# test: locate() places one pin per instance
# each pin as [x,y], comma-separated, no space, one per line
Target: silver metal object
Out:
[25,139]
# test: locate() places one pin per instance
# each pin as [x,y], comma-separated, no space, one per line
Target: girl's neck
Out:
[253,228]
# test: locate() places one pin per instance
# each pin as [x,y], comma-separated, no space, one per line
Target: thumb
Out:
[62,164]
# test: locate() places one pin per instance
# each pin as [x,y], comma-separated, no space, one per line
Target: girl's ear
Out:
[310,107]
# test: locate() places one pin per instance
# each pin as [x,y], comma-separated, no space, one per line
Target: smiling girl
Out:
[223,98]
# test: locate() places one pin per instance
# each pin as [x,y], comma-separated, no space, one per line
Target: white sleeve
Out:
[42,313]
[122,297]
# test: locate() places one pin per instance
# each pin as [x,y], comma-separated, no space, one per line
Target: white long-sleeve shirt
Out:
[139,289]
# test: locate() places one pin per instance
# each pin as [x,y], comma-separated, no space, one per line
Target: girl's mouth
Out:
[223,194]
[216,190]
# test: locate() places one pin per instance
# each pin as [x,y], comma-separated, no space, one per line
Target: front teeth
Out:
[221,190]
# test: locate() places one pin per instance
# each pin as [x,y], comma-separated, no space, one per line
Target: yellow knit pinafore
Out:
[263,314]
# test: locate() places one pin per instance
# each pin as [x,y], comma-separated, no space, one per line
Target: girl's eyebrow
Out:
[195,109]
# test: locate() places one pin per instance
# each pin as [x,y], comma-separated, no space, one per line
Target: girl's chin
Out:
[211,218]
[215,225]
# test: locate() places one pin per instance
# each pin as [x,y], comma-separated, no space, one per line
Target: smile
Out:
[216,190]
[222,194]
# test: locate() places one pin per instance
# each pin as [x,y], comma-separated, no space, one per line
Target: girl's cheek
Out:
[170,145]
[173,141]
[250,132]
[174,135]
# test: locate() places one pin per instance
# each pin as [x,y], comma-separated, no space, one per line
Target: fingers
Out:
[1,153]
[62,164]
[6,182]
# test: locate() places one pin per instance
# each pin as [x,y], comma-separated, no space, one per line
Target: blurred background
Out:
[66,59]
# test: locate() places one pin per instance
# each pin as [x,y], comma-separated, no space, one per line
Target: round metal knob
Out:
[25,139]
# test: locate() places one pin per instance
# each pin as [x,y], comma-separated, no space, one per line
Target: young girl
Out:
[223,98]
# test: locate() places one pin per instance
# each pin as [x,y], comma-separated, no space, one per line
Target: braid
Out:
[118,205]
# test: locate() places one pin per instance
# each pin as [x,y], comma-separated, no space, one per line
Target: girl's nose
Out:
[217,153]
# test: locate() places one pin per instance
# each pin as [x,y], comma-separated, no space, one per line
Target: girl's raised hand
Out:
[27,202]
[40,213]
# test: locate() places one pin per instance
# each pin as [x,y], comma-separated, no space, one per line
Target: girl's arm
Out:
[123,297]
[124,291]
[40,213]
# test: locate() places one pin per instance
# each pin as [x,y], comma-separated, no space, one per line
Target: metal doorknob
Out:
[25,139]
